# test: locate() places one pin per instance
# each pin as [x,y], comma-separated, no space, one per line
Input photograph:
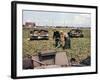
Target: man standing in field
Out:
[67,44]
[56,37]
[65,40]
[62,38]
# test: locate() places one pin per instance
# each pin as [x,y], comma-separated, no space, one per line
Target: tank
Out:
[75,33]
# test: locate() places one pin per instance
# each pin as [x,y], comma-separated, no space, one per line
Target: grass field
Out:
[80,47]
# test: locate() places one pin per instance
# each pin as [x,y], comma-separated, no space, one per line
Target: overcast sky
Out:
[44,18]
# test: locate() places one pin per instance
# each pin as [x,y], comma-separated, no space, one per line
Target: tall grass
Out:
[80,47]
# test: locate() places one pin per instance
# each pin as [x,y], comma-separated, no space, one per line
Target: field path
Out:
[61,59]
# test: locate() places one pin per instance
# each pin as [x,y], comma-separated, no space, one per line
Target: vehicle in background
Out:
[39,34]
[75,33]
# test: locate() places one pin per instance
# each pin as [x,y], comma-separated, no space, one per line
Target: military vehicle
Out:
[75,33]
[39,34]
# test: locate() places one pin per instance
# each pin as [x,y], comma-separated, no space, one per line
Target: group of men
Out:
[61,40]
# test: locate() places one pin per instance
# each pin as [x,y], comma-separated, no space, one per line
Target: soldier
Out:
[56,36]
[67,44]
[62,38]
